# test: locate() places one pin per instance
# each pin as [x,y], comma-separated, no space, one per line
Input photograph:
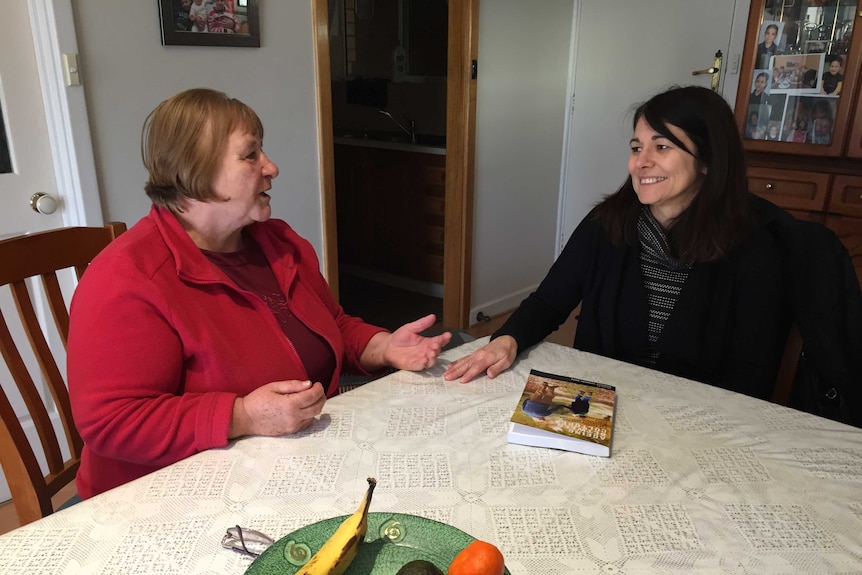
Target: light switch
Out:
[71,70]
[734,63]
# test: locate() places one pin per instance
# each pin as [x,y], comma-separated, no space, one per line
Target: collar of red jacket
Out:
[278,242]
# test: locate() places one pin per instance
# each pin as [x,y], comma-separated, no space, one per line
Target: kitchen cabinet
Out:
[799,109]
[402,40]
[390,206]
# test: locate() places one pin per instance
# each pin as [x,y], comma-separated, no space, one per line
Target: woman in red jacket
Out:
[208,320]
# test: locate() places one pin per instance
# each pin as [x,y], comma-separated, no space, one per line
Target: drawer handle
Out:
[769,186]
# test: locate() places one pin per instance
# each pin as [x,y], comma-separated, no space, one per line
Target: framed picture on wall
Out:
[210,22]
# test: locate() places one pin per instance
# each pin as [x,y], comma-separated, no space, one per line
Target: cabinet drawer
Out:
[433,175]
[433,205]
[431,235]
[792,190]
[849,230]
[430,268]
[846,196]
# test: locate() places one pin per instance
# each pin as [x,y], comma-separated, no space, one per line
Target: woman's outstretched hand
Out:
[405,348]
[491,359]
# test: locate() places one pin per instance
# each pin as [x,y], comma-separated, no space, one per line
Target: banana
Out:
[339,550]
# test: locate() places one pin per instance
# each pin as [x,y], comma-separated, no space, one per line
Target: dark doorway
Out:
[388,90]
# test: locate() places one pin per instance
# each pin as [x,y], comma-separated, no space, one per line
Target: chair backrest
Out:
[822,364]
[41,255]
[786,377]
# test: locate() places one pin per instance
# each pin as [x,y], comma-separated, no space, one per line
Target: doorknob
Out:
[43,203]
[714,70]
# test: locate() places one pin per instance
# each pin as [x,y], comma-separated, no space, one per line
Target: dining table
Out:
[700,480]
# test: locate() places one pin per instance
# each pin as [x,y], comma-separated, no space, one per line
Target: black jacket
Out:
[725,328]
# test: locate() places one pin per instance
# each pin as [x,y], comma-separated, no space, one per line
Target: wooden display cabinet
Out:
[799,109]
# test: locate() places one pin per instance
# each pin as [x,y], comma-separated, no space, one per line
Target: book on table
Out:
[564,412]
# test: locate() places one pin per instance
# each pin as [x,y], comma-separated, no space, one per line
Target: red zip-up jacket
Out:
[161,343]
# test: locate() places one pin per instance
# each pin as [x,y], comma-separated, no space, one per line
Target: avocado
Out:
[419,567]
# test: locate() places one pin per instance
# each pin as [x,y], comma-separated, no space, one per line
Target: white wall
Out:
[524,50]
[127,72]
[523,54]
[521,106]
[630,70]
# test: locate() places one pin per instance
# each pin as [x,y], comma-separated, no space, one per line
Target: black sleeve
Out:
[544,310]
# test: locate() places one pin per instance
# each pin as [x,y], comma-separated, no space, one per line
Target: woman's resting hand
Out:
[492,359]
[277,408]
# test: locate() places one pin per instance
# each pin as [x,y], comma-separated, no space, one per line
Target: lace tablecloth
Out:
[700,480]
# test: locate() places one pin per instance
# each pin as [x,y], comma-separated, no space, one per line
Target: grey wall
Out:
[127,72]
[524,53]
[607,89]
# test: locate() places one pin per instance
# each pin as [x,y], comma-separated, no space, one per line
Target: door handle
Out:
[714,70]
[43,203]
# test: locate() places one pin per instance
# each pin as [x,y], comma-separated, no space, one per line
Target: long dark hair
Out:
[719,217]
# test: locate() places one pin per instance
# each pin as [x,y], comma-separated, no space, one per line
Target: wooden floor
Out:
[564,336]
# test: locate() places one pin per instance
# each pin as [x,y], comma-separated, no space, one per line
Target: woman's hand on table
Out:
[277,408]
[405,348]
[491,359]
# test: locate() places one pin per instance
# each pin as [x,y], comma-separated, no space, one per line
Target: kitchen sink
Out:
[431,140]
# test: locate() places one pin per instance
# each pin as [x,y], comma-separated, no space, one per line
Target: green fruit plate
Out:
[392,540]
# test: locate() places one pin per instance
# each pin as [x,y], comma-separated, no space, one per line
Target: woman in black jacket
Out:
[673,271]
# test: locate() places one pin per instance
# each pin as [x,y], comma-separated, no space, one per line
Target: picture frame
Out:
[765,87]
[800,73]
[776,40]
[809,118]
[178,29]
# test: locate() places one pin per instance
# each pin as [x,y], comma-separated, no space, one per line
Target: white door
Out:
[624,52]
[43,151]
[26,128]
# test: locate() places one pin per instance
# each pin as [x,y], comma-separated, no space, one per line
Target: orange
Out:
[478,558]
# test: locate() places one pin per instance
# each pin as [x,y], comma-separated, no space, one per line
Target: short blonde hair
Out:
[183,141]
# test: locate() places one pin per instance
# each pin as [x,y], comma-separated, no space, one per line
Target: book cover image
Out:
[567,406]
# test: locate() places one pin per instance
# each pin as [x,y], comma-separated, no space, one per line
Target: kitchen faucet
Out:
[411,132]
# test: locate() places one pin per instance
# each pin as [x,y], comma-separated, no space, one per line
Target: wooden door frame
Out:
[463,48]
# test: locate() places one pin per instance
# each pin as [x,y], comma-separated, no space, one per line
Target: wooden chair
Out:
[786,376]
[41,254]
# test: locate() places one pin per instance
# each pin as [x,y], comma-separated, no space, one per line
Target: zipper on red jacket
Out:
[257,302]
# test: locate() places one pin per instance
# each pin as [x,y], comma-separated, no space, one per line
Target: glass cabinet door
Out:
[795,88]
